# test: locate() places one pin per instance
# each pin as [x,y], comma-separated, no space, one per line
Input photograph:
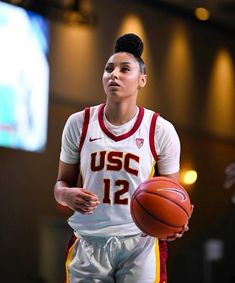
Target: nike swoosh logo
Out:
[179,192]
[94,139]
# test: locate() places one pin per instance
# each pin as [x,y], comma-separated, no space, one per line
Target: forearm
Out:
[67,178]
[75,198]
[174,176]
[60,191]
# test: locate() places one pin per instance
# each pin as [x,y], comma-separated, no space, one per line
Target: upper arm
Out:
[167,146]
[68,170]
[68,173]
[71,138]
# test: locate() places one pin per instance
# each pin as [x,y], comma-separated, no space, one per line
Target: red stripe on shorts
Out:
[163,258]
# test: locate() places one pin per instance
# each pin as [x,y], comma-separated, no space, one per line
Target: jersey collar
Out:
[125,135]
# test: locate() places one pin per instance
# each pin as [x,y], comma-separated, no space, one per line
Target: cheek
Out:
[105,81]
[134,82]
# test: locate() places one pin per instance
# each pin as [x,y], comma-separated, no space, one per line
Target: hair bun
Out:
[130,43]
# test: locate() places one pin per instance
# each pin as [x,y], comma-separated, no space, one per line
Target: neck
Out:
[119,113]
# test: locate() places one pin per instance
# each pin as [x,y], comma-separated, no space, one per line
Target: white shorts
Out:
[133,259]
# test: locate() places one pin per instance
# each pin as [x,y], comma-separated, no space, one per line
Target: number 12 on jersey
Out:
[117,196]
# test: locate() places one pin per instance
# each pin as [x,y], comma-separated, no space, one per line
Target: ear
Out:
[142,80]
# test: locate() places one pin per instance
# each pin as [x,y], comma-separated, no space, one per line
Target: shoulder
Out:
[165,134]
[76,120]
[164,125]
[161,124]
[73,124]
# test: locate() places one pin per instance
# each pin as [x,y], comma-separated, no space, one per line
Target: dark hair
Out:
[132,44]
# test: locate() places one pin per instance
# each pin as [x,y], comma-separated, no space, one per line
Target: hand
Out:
[80,200]
[176,235]
[179,234]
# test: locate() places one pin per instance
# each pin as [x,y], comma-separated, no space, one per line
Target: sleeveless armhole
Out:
[162,244]
[84,127]
[152,134]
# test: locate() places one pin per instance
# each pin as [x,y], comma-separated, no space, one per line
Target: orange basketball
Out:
[160,207]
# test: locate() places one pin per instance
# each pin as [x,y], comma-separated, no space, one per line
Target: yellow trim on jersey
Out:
[157,256]
[153,169]
[68,261]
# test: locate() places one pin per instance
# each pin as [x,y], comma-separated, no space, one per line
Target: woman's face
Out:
[122,77]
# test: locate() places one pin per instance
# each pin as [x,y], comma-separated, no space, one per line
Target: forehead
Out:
[122,57]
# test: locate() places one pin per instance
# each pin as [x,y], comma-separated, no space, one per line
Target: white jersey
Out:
[112,165]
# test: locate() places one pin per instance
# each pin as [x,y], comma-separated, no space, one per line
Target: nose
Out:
[114,74]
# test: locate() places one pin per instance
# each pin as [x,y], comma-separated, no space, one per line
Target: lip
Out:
[114,84]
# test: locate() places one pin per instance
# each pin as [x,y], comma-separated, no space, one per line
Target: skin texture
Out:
[122,81]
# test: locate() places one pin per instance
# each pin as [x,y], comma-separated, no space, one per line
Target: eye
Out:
[125,69]
[109,69]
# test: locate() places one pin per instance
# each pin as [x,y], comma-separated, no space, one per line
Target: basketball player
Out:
[113,147]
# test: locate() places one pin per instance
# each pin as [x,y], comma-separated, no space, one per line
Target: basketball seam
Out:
[153,179]
[169,225]
[139,225]
[155,193]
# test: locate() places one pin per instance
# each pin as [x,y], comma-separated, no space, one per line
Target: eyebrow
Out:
[122,63]
[128,62]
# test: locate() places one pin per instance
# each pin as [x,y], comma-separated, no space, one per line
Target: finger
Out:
[192,208]
[85,191]
[89,197]
[90,193]
[169,238]
[174,237]
[185,228]
[85,209]
[91,203]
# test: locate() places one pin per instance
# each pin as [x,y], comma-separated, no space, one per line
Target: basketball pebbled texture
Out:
[160,207]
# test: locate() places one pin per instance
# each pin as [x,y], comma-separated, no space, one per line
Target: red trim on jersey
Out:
[162,244]
[151,135]
[163,259]
[123,136]
[84,127]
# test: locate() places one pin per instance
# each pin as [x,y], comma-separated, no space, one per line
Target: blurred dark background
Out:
[191,82]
